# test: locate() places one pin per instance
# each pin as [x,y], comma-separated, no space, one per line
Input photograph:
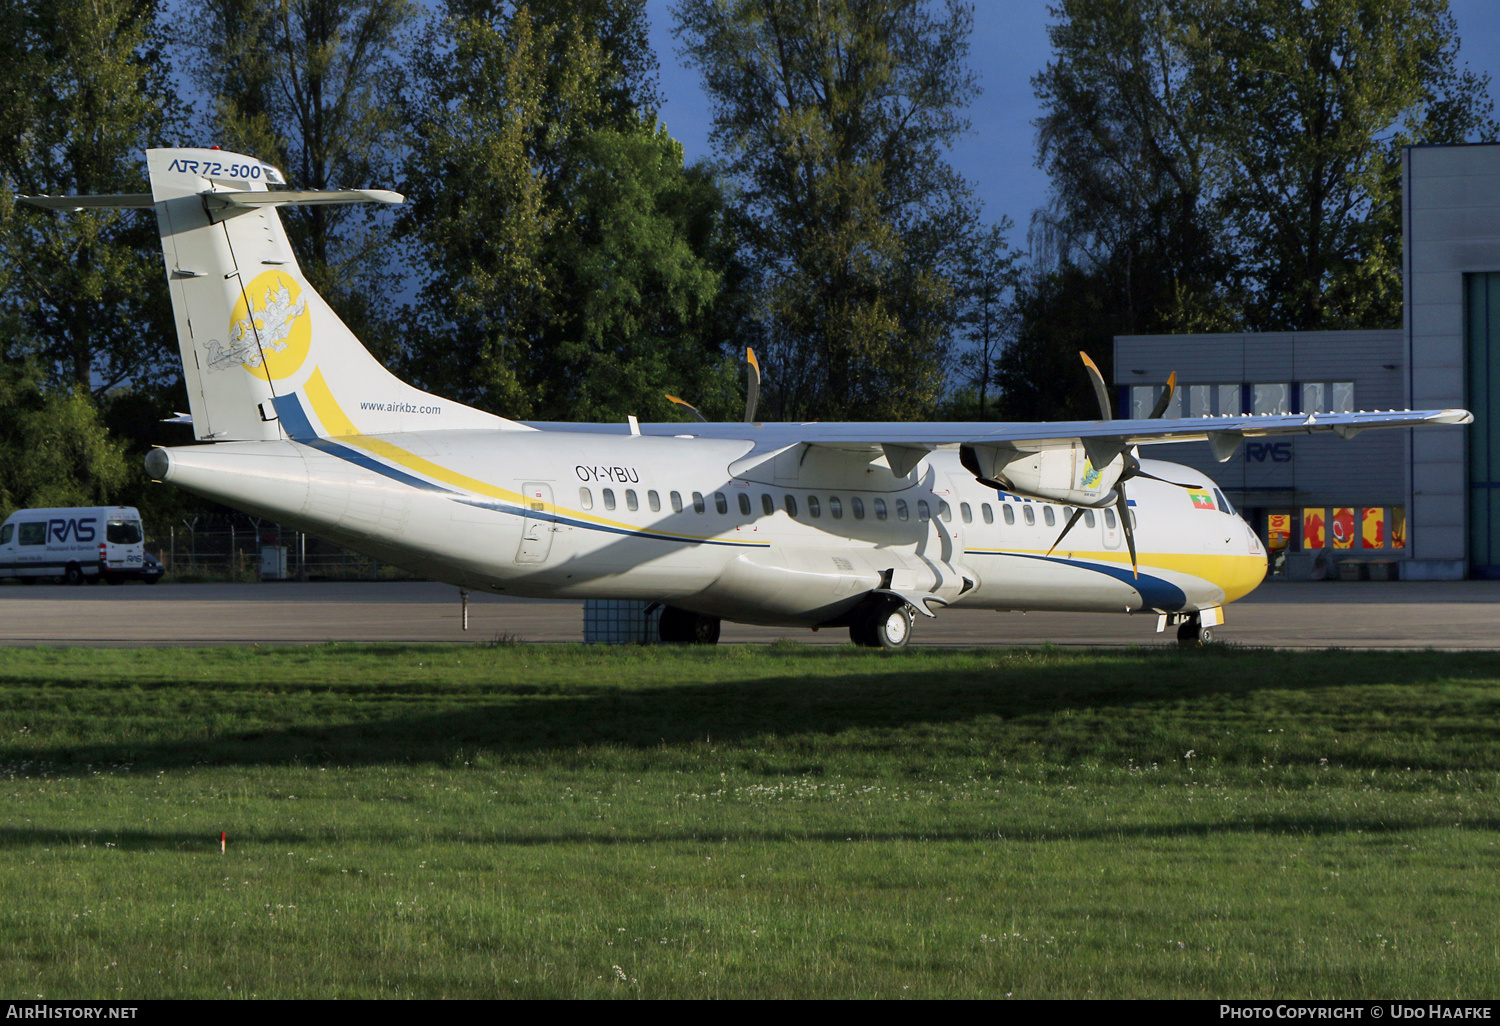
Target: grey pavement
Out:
[1457,615]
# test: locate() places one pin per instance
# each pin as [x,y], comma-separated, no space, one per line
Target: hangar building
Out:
[1424,505]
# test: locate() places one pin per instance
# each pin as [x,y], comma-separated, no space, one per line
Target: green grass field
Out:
[554,821]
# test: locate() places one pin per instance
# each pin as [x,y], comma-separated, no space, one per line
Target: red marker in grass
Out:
[221,842]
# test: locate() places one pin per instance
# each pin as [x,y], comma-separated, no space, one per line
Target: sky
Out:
[1009,46]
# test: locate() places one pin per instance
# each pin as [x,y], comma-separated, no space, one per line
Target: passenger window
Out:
[631,502]
[923,513]
[744,504]
[698,505]
[857,507]
[1049,516]
[987,513]
[945,511]
[1030,515]
[1132,520]
[902,513]
[676,498]
[791,506]
[879,509]
[835,507]
[767,504]
[7,533]
[813,508]
[585,498]
[721,502]
[609,498]
[654,501]
[965,512]
[1088,518]
[1110,520]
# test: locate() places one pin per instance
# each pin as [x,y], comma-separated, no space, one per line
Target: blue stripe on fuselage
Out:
[1155,592]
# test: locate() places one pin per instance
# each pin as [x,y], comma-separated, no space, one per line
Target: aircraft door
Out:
[538,526]
[1111,528]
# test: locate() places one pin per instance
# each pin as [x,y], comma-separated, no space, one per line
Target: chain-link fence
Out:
[238,547]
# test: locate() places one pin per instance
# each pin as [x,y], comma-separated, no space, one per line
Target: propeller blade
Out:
[1124,507]
[690,407]
[1071,521]
[1166,398]
[752,387]
[1176,484]
[1101,392]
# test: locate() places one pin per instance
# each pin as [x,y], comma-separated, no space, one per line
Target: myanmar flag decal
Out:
[1201,500]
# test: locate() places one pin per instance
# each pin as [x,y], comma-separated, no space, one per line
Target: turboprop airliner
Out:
[857,525]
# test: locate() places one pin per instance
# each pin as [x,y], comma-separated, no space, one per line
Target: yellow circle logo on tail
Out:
[271,326]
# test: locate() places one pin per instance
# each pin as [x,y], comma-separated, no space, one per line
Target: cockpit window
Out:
[1224,506]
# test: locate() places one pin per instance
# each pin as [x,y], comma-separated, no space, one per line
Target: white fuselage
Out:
[799,536]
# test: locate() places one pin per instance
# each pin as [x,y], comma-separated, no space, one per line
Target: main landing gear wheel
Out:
[1192,634]
[887,624]
[680,627]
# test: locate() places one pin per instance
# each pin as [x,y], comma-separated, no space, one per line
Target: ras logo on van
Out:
[81,530]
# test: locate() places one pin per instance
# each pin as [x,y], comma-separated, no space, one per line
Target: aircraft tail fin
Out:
[263,355]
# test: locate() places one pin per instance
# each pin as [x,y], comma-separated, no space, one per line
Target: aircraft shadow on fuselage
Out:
[515,719]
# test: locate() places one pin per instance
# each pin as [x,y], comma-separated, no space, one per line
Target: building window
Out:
[1271,398]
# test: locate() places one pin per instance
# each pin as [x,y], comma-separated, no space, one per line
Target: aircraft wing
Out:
[905,444]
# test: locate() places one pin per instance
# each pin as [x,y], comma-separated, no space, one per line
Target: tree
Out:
[577,267]
[313,87]
[831,117]
[1235,163]
[86,89]
[1326,94]
[987,271]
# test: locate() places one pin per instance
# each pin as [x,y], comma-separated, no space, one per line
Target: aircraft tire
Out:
[73,574]
[680,627]
[885,625]
[1191,633]
[890,628]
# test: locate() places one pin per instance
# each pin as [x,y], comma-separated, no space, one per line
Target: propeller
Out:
[752,393]
[1132,465]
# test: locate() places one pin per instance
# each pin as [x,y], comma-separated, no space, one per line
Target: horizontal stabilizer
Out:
[298,197]
[138,200]
[221,200]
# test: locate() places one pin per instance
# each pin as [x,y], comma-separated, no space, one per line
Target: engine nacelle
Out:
[1063,474]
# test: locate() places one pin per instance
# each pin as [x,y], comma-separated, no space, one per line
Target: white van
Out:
[86,543]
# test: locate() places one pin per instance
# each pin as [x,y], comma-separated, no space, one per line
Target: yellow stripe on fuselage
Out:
[1235,574]
[339,426]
